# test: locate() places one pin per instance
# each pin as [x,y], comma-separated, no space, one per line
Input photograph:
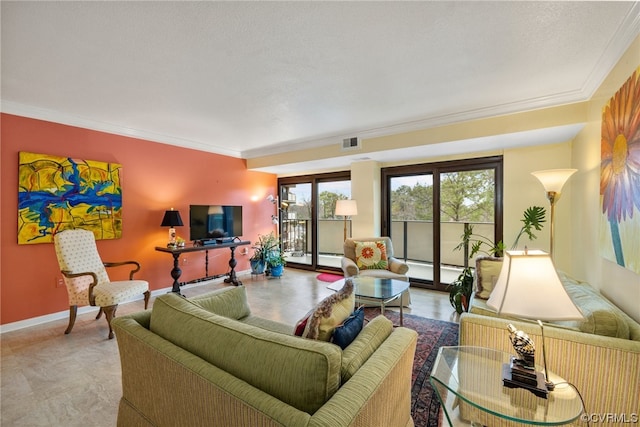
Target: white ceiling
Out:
[248,79]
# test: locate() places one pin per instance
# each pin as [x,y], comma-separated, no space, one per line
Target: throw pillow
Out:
[344,334]
[298,330]
[330,312]
[372,255]
[487,273]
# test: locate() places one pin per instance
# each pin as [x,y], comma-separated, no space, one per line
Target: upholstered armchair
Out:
[394,268]
[86,278]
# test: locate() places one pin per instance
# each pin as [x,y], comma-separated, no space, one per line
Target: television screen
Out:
[210,222]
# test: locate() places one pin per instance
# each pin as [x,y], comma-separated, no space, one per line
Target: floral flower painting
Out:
[620,176]
[58,193]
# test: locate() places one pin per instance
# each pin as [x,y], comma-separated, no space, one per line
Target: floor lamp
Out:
[553,180]
[346,208]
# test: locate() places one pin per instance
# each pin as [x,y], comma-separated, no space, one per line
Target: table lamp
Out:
[171,219]
[346,208]
[529,287]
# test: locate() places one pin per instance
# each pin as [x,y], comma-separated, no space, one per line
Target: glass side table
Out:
[468,382]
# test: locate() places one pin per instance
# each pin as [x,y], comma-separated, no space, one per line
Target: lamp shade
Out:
[554,179]
[529,287]
[346,207]
[171,219]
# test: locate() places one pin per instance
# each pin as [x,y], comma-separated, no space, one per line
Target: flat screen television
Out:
[214,222]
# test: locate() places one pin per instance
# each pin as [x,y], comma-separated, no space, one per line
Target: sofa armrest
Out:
[349,267]
[604,369]
[379,394]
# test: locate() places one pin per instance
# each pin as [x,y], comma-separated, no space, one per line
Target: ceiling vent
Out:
[351,143]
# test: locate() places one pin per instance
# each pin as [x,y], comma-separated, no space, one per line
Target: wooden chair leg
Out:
[99,313]
[73,312]
[146,299]
[110,313]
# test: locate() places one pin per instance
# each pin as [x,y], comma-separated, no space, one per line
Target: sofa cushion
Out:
[330,312]
[301,373]
[487,273]
[344,334]
[366,343]
[601,316]
[372,255]
[227,302]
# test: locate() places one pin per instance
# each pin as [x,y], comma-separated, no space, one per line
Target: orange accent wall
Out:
[156,177]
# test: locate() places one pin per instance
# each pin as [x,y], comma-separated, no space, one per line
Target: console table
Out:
[176,272]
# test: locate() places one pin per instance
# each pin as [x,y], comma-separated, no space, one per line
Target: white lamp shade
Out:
[346,207]
[554,179]
[529,287]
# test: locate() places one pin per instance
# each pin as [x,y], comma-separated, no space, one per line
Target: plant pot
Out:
[257,266]
[277,270]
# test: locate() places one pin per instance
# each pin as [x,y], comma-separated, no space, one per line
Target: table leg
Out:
[232,273]
[401,311]
[176,272]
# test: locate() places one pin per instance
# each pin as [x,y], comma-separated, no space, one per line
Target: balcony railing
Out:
[295,239]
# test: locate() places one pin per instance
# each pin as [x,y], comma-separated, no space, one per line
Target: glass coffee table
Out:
[468,382]
[376,290]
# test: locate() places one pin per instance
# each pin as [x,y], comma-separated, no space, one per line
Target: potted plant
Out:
[257,260]
[460,290]
[275,262]
[263,252]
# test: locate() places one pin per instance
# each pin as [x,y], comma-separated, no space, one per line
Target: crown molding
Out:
[18,109]
[550,101]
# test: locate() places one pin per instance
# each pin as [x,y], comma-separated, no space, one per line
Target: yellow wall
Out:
[620,285]
[521,190]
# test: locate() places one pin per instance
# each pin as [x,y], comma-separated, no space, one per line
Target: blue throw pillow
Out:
[344,334]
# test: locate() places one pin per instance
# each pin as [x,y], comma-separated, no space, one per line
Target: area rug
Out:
[328,277]
[432,334]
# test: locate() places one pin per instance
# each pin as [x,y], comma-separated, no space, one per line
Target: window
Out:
[425,209]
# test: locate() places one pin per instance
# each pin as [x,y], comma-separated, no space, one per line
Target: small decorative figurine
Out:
[520,371]
[524,346]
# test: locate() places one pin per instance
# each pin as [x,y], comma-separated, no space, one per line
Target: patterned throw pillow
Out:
[330,313]
[372,255]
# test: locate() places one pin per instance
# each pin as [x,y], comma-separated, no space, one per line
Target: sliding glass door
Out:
[310,232]
[426,208]
[411,227]
[295,222]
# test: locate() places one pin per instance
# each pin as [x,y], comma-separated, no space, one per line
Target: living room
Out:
[159,176]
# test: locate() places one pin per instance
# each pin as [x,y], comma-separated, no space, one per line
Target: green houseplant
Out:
[275,263]
[460,290]
[267,256]
[261,250]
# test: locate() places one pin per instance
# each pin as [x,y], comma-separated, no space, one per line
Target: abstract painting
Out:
[59,193]
[620,176]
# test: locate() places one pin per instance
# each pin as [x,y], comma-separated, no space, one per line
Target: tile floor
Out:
[51,379]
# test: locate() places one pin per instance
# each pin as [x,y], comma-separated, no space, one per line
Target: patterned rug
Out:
[432,334]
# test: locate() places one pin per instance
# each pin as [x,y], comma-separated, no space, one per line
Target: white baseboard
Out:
[14,326]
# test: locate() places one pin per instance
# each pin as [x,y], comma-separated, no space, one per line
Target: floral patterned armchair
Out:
[373,257]
[86,278]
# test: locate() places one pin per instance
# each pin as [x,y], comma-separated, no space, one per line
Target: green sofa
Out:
[207,361]
[600,355]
